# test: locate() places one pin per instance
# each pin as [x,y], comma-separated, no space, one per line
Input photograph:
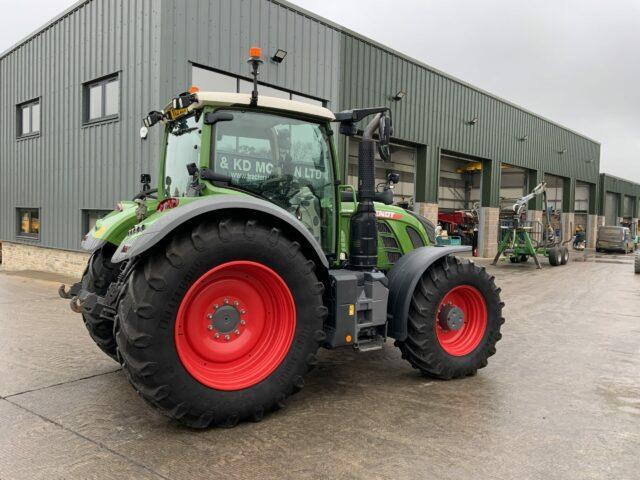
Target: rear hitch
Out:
[76,304]
[73,291]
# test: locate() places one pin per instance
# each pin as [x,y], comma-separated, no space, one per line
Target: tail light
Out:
[168,204]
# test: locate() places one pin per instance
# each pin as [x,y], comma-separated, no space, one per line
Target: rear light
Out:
[168,204]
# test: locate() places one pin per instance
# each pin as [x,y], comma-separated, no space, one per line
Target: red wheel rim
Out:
[472,305]
[235,325]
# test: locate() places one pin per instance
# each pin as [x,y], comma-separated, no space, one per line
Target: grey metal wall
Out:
[218,34]
[153,44]
[622,188]
[69,166]
[437,108]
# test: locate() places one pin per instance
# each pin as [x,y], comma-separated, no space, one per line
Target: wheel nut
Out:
[210,315]
[243,311]
[237,332]
[227,337]
[242,322]
[235,303]
[209,327]
[217,335]
[226,300]
[215,307]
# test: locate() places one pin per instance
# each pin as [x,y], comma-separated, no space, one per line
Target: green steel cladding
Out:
[152,45]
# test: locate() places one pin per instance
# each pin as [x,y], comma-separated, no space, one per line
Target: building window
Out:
[29,118]
[90,217]
[102,99]
[29,223]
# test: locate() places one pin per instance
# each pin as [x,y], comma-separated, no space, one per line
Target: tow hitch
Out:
[72,292]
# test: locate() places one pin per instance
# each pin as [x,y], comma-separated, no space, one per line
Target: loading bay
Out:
[560,399]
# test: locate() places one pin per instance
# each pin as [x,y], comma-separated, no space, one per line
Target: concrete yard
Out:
[560,399]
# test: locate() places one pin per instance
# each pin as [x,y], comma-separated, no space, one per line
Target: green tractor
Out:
[215,290]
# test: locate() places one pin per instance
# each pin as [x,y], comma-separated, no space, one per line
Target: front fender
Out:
[141,242]
[403,279]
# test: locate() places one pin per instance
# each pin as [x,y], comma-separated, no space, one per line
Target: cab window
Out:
[284,160]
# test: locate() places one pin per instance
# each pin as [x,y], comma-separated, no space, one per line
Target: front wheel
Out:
[454,320]
[221,323]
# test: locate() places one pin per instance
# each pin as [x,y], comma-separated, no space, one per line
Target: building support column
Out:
[568,222]
[489,221]
[535,177]
[427,181]
[567,217]
[592,230]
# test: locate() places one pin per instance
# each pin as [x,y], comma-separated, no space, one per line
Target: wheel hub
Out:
[225,319]
[235,325]
[451,318]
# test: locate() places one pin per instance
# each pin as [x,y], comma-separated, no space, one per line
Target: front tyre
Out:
[221,323]
[454,320]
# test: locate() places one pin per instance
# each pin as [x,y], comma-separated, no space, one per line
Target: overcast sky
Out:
[576,62]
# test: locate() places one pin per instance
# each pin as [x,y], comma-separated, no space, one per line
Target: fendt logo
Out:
[389,215]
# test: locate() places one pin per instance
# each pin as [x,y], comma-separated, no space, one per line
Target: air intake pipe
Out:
[363,234]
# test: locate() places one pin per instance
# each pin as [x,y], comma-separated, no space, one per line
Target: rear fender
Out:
[140,242]
[111,229]
[404,277]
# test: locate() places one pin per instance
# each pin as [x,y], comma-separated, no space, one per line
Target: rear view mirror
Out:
[385,130]
[214,117]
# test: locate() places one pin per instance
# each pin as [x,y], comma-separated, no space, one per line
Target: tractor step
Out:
[370,344]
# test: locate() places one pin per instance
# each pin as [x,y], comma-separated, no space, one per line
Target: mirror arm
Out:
[372,127]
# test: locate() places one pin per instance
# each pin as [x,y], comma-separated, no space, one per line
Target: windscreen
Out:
[610,233]
[284,160]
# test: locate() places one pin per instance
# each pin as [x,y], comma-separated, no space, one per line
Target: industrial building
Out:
[75,91]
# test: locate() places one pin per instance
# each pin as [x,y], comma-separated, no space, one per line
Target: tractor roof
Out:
[229,99]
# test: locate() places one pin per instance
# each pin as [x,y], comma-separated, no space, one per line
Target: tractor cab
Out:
[280,151]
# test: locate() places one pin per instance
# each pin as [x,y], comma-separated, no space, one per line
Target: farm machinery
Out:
[215,289]
[520,241]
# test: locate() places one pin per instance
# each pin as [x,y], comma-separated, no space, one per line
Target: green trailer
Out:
[522,240]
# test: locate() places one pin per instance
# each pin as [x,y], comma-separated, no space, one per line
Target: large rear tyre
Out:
[221,322]
[454,320]
[97,277]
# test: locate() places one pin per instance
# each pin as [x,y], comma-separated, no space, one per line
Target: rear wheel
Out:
[98,275]
[454,320]
[221,323]
[564,255]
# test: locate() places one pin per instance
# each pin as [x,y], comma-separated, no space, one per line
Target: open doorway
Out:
[459,196]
